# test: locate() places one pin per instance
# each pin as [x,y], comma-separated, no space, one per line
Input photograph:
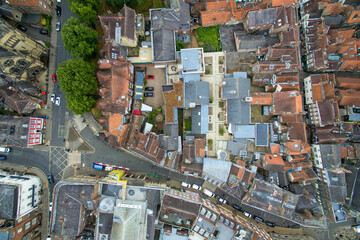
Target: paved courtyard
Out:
[157,100]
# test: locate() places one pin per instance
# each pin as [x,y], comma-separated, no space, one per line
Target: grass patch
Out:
[187,124]
[96,112]
[151,117]
[222,131]
[208,38]
[180,45]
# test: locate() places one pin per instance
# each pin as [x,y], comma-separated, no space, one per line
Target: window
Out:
[271,67]
[20,230]
[33,222]
[27,225]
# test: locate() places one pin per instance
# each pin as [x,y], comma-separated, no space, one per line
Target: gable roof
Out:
[163,42]
[173,97]
[17,100]
[349,98]
[287,103]
[196,93]
[200,119]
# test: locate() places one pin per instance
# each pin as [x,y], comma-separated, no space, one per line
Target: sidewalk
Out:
[44,205]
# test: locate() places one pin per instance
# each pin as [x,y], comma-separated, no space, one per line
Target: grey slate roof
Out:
[337,186]
[163,40]
[333,20]
[262,134]
[200,119]
[190,59]
[235,147]
[216,168]
[236,88]
[169,141]
[8,201]
[196,93]
[250,41]
[261,17]
[243,131]
[170,18]
[331,155]
[12,131]
[238,111]
[190,77]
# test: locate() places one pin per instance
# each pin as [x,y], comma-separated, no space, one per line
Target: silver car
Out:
[57,101]
[58,26]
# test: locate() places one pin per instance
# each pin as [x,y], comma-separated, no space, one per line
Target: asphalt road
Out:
[60,113]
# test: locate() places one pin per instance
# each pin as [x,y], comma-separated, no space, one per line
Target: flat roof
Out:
[262,134]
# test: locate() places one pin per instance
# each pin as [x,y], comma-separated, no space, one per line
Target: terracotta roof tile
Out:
[200,147]
[215,17]
[297,131]
[278,3]
[173,98]
[261,98]
[287,103]
[273,163]
[349,98]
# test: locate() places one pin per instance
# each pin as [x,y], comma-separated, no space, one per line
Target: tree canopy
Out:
[78,39]
[78,81]
[85,12]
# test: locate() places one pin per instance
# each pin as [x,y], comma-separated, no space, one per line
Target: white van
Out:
[185,185]
[209,193]
[4,149]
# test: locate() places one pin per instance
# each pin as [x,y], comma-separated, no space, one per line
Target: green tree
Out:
[80,104]
[78,39]
[77,77]
[78,81]
[84,12]
[92,3]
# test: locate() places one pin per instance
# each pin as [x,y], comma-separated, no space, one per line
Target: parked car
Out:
[50,206]
[44,117]
[150,77]
[258,219]
[51,178]
[58,11]
[237,207]
[53,77]
[197,187]
[43,31]
[57,101]
[148,94]
[185,185]
[59,1]
[5,149]
[53,98]
[247,214]
[270,224]
[209,193]
[2,157]
[149,89]
[21,28]
[58,26]
[220,199]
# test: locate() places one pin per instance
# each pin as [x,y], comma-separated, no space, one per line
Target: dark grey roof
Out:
[139,85]
[353,187]
[6,53]
[200,119]
[190,77]
[163,41]
[235,88]
[8,201]
[250,41]
[331,155]
[12,130]
[336,179]
[190,59]
[261,17]
[184,10]
[171,18]
[333,20]
[306,202]
[337,186]
[243,131]
[262,134]
[337,194]
[235,147]
[196,93]
[238,111]
[169,140]
[28,87]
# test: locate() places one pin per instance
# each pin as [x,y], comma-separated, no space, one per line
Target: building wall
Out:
[317,156]
[44,6]
[8,69]
[308,90]
[29,188]
[27,226]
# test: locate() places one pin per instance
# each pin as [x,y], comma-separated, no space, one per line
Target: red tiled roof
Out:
[297,131]
[349,98]
[273,162]
[200,147]
[215,17]
[278,3]
[287,103]
[261,98]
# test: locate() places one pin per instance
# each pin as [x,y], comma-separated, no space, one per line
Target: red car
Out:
[54,77]
[150,77]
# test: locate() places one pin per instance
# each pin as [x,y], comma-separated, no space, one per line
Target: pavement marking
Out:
[61,131]
[58,161]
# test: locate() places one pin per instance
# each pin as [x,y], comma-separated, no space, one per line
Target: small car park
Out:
[237,207]
[149,89]
[185,185]
[53,98]
[53,77]
[43,31]
[21,28]
[57,101]
[148,94]
[196,187]
[258,219]
[150,77]
[58,26]
[270,224]
[58,11]
[51,178]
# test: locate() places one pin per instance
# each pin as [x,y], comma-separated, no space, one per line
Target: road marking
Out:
[58,161]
